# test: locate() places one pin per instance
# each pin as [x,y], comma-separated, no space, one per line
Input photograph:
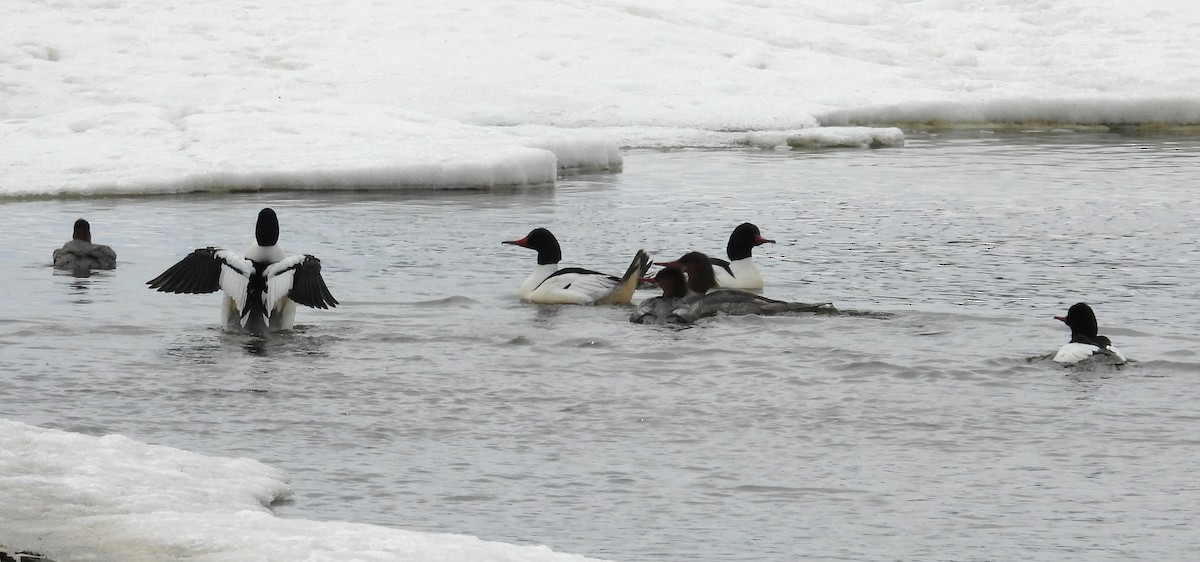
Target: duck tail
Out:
[623,292]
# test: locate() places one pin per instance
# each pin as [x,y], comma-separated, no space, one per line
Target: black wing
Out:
[199,272]
[299,277]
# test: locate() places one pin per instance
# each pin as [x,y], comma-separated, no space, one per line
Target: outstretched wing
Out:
[298,278]
[207,270]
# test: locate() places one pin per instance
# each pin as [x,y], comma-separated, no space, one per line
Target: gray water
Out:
[931,427]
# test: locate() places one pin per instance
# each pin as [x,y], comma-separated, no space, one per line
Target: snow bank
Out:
[75,497]
[118,96]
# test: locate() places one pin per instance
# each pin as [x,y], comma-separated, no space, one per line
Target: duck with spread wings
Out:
[262,286]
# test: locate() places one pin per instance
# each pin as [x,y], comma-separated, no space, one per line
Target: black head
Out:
[743,240]
[83,231]
[266,232]
[544,242]
[1081,319]
[672,282]
[699,271]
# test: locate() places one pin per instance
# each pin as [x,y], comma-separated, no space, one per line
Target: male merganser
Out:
[705,298]
[262,288]
[1085,343]
[740,272]
[81,255]
[550,285]
[669,308]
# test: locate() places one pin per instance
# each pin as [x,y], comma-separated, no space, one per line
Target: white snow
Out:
[117,96]
[75,497]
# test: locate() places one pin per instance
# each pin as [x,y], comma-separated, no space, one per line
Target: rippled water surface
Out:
[433,400]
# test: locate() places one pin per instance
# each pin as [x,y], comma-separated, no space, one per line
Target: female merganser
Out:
[705,298]
[550,285]
[740,272]
[1085,342]
[668,308]
[262,288]
[81,255]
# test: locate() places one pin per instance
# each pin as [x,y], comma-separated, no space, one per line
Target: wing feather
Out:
[206,270]
[298,278]
[235,282]
[574,285]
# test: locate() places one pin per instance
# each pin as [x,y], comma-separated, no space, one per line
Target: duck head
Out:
[82,231]
[266,231]
[672,282]
[699,270]
[1081,319]
[743,240]
[540,239]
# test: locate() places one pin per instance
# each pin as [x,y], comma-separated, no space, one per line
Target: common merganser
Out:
[705,298]
[550,285]
[1085,343]
[740,272]
[80,255]
[262,287]
[669,308]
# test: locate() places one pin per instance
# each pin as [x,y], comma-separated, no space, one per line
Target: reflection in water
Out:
[289,343]
[256,345]
[195,350]
[79,288]
[546,313]
[81,282]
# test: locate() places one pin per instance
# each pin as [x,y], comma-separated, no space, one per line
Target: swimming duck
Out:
[81,255]
[572,285]
[1085,342]
[740,272]
[262,287]
[705,298]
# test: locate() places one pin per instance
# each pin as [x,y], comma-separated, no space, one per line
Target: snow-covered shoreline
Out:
[70,496]
[120,97]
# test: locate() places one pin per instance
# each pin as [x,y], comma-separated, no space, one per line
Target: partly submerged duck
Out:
[740,272]
[669,308]
[262,287]
[80,255]
[1086,343]
[705,298]
[572,285]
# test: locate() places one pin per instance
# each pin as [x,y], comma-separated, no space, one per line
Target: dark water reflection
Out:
[927,427]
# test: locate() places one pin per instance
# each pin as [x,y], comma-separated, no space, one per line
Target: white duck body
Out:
[548,284]
[738,274]
[282,316]
[1074,353]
